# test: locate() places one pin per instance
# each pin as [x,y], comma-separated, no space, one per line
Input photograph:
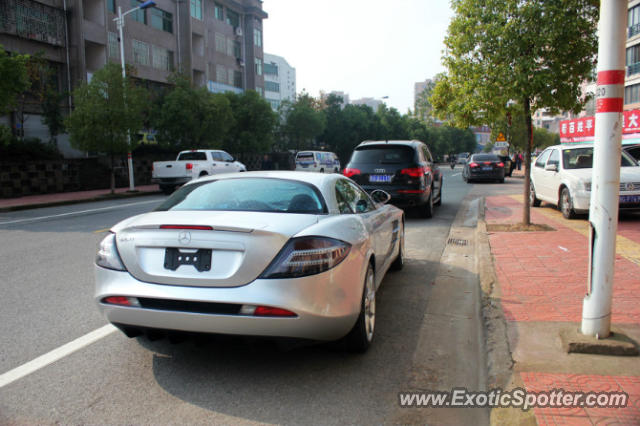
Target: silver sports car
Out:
[282,254]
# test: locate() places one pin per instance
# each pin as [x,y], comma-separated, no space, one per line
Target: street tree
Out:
[106,110]
[534,52]
[13,79]
[191,118]
[303,121]
[253,124]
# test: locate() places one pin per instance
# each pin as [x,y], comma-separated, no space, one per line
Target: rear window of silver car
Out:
[248,194]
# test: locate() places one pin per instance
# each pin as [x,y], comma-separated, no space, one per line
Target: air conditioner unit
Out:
[239,31]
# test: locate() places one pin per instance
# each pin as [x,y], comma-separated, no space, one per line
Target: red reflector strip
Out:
[611,77]
[191,227]
[412,191]
[266,311]
[609,105]
[117,300]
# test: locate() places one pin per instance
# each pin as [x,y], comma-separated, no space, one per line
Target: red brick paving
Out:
[630,415]
[543,275]
[629,228]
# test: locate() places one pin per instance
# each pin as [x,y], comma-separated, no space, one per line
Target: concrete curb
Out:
[500,363]
[106,197]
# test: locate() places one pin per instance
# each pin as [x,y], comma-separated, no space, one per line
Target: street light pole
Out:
[605,184]
[120,23]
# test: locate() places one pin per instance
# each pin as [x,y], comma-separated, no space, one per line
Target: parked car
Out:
[561,176]
[404,169]
[633,150]
[487,167]
[317,161]
[509,165]
[463,157]
[271,253]
[191,165]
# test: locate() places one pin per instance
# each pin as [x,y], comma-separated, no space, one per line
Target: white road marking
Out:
[32,219]
[56,354]
[563,248]
[455,174]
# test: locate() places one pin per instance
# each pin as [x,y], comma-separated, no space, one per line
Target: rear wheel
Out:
[398,263]
[427,208]
[533,200]
[566,205]
[321,170]
[361,335]
[439,202]
[167,189]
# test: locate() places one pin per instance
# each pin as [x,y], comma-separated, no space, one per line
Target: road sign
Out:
[500,138]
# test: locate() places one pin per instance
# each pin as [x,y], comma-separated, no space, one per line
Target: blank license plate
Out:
[379,178]
[629,199]
[486,169]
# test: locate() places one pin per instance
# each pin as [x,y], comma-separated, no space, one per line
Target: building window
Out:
[633,60]
[230,76]
[196,9]
[111,6]
[634,21]
[221,74]
[162,20]
[140,52]
[139,15]
[237,79]
[272,86]
[218,11]
[114,46]
[233,18]
[230,47]
[258,66]
[260,91]
[237,49]
[162,58]
[275,104]
[632,94]
[257,37]
[221,43]
[271,69]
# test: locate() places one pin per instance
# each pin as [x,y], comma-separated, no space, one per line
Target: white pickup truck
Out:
[191,165]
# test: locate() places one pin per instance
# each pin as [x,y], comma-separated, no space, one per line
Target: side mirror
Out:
[551,167]
[380,196]
[361,206]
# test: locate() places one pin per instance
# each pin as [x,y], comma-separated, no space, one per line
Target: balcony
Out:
[633,30]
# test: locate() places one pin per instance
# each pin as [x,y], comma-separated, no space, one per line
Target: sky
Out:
[365,48]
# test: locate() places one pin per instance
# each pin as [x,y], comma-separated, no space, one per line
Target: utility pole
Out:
[605,183]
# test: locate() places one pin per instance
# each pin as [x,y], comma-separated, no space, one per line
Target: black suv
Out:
[404,169]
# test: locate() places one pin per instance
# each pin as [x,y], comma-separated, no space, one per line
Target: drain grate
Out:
[458,241]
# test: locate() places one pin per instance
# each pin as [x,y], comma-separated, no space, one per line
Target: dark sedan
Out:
[486,167]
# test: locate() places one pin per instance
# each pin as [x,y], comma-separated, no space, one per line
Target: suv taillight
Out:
[348,172]
[414,172]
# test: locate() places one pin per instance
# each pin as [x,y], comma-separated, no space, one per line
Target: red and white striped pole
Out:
[605,183]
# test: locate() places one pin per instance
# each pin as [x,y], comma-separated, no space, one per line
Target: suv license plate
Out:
[380,178]
[629,199]
[486,168]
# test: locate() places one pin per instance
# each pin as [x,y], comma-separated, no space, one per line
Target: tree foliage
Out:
[13,79]
[192,118]
[106,110]
[303,121]
[530,51]
[253,124]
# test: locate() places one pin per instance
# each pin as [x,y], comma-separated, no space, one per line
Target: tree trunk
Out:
[526,211]
[113,177]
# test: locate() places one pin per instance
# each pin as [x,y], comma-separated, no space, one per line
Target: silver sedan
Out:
[282,254]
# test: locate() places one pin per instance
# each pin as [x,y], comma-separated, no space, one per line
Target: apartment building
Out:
[632,80]
[218,43]
[279,80]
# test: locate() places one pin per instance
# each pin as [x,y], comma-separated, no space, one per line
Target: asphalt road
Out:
[47,288]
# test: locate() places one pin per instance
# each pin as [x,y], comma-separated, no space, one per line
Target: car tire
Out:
[427,208]
[321,170]
[533,200]
[439,202]
[167,189]
[361,335]
[501,180]
[398,262]
[203,174]
[566,205]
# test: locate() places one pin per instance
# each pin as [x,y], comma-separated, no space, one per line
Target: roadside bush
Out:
[28,149]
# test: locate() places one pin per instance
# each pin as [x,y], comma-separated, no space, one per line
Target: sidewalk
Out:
[63,198]
[541,281]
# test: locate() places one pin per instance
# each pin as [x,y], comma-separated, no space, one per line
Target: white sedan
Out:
[561,176]
[280,254]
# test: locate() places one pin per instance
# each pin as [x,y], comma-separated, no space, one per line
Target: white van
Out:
[317,161]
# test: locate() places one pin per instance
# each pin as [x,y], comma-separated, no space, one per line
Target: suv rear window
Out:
[192,156]
[383,154]
[485,157]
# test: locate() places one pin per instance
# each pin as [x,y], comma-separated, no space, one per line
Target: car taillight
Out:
[189,166]
[267,311]
[415,172]
[472,165]
[307,256]
[487,163]
[500,164]
[350,172]
[108,256]
[122,301]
